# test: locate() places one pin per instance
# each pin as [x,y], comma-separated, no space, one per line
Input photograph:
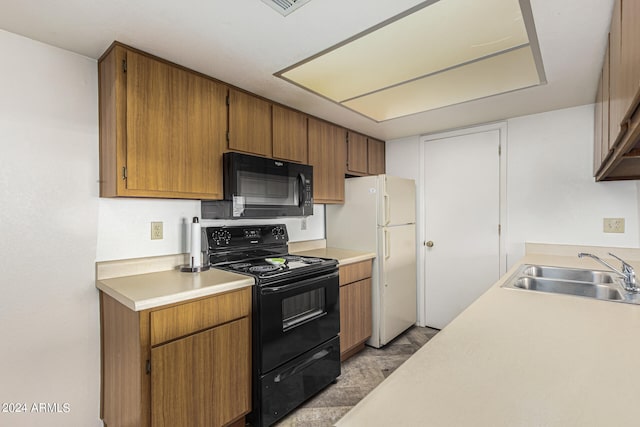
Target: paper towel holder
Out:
[189,269]
[192,267]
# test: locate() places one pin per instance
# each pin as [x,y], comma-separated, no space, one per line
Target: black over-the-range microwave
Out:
[257,187]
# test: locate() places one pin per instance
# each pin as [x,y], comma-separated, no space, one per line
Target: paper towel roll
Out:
[196,249]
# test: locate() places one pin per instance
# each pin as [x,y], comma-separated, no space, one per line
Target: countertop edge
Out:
[343,256]
[177,297]
[406,377]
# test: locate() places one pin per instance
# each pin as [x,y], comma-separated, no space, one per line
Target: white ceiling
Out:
[243,42]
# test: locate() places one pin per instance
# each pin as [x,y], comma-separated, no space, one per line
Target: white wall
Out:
[551,194]
[49,316]
[124,227]
[53,228]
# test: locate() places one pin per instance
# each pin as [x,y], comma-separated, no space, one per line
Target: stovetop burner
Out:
[241,265]
[264,268]
[255,250]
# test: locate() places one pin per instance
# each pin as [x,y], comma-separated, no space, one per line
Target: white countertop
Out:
[150,290]
[120,279]
[519,358]
[344,256]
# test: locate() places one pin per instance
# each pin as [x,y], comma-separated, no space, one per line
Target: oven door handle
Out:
[303,365]
[296,285]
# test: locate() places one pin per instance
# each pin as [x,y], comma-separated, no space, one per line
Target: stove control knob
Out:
[278,232]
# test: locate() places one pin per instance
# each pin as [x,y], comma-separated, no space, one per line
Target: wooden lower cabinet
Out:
[355,307]
[205,367]
[201,378]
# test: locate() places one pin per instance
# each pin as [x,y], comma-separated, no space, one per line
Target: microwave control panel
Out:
[308,199]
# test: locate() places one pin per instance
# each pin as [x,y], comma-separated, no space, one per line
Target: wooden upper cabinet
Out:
[289,135]
[375,157]
[327,155]
[356,154]
[162,128]
[616,83]
[249,124]
[620,144]
[606,106]
[597,128]
[630,54]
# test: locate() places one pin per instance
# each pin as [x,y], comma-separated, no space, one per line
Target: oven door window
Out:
[260,188]
[302,308]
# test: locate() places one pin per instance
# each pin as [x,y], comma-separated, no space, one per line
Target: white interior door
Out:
[462,217]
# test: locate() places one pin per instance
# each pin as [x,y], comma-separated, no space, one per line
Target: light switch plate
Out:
[613,225]
[156,231]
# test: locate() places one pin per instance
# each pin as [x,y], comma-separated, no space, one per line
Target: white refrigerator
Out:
[379,216]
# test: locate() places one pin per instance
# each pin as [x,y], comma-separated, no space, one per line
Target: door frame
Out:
[425,139]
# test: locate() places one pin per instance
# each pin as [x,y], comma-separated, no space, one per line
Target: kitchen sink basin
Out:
[591,276]
[596,284]
[583,289]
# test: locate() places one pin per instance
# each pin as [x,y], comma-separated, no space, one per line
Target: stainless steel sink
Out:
[596,284]
[591,276]
[582,289]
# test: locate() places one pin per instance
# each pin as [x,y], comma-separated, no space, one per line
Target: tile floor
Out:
[360,374]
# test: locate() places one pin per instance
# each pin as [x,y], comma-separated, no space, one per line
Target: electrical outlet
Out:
[613,225]
[156,231]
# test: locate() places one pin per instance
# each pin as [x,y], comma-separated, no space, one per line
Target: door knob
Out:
[429,244]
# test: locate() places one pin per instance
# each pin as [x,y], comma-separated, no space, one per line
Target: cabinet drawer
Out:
[354,272]
[184,319]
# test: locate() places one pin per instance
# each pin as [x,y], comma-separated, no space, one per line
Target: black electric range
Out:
[261,252]
[295,319]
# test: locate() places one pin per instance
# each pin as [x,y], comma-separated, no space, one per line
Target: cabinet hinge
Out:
[499,229]
[499,150]
[227,100]
[124,65]
[124,172]
[148,366]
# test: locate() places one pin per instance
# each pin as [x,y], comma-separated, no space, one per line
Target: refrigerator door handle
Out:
[387,210]
[387,245]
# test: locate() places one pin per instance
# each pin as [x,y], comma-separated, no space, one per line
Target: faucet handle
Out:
[625,265]
[628,270]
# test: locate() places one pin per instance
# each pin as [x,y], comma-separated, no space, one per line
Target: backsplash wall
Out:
[124,227]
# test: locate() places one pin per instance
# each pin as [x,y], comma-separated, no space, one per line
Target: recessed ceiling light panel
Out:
[382,72]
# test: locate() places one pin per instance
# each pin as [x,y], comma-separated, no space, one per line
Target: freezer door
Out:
[398,201]
[353,225]
[397,281]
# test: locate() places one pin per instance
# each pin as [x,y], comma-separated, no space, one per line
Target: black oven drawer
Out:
[288,386]
[295,317]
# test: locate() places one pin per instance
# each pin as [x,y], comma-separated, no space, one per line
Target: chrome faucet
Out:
[627,272]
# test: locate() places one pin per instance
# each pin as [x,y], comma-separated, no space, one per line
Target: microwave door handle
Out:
[301,193]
